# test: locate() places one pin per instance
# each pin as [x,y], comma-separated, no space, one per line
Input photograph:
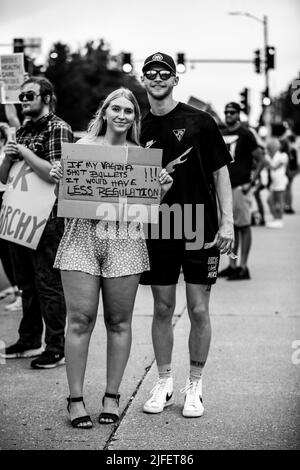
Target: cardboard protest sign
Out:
[11,76]
[26,206]
[110,183]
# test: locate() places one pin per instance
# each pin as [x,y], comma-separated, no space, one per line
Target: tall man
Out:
[195,155]
[246,155]
[39,142]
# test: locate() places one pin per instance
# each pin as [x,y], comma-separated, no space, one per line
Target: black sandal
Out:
[112,416]
[85,420]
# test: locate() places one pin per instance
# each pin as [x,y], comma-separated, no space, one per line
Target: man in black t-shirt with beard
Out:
[246,156]
[196,156]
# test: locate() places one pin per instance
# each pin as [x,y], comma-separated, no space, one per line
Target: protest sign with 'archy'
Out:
[111,183]
[11,77]
[26,206]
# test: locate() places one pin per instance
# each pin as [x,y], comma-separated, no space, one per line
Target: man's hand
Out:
[224,239]
[12,151]
[246,188]
[250,187]
[165,181]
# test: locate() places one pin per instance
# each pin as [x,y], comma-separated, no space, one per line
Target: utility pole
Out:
[264,22]
[266,42]
[266,101]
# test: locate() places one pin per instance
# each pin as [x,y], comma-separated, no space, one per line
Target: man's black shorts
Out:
[167,257]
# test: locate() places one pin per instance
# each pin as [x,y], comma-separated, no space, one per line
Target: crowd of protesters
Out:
[263,160]
[260,161]
[276,179]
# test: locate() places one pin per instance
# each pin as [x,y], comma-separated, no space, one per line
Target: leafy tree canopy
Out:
[83,79]
[287,105]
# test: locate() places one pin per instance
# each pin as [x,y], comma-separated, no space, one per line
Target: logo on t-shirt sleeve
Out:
[149,143]
[231,141]
[179,133]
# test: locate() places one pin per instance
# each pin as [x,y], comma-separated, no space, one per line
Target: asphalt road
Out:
[251,381]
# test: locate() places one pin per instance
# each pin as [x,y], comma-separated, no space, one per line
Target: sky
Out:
[201,29]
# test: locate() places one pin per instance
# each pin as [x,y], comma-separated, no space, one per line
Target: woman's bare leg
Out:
[82,296]
[118,302]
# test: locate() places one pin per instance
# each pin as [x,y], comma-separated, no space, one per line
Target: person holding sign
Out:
[111,256]
[5,253]
[196,156]
[38,143]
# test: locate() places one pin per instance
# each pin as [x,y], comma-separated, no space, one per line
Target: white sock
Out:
[196,369]
[164,371]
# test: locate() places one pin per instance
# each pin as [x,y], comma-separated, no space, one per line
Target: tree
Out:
[82,80]
[287,107]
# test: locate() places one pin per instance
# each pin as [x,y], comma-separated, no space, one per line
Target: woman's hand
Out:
[165,181]
[56,172]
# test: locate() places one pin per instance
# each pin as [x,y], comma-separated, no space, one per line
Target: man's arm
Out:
[258,155]
[261,162]
[40,166]
[225,236]
[14,151]
[60,134]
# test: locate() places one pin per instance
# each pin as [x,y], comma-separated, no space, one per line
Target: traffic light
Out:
[126,62]
[265,99]
[244,100]
[257,61]
[270,57]
[18,45]
[181,68]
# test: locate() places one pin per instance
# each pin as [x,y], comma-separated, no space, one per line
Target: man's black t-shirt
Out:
[193,148]
[240,144]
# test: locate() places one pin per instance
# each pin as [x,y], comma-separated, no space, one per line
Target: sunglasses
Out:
[230,112]
[29,95]
[163,74]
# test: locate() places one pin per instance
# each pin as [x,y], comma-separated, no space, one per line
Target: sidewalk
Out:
[251,381]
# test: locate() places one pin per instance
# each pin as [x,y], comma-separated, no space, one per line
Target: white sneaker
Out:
[193,405]
[162,396]
[16,305]
[275,224]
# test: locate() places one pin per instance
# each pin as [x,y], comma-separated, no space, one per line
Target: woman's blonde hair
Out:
[98,125]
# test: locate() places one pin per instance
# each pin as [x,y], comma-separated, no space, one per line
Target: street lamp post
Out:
[264,22]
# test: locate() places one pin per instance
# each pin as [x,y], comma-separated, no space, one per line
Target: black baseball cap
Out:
[160,58]
[234,106]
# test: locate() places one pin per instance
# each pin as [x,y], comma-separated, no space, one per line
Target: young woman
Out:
[277,160]
[91,258]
